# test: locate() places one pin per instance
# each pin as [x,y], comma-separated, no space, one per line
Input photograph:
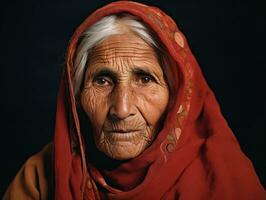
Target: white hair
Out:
[106,27]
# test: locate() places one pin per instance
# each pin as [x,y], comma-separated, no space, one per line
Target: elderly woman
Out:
[136,120]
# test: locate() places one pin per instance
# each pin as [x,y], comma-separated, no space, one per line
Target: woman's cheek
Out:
[153,103]
[94,104]
[88,101]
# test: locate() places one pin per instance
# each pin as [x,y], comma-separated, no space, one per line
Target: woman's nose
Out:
[122,105]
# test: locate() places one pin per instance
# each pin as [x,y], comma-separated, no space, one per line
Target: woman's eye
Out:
[146,80]
[102,81]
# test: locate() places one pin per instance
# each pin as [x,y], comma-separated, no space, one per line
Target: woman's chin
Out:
[123,150]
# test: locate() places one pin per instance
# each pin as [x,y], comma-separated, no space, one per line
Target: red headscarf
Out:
[195,155]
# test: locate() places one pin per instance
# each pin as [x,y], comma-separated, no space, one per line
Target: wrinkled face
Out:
[124,95]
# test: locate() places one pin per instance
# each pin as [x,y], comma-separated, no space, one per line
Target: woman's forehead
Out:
[120,46]
[126,49]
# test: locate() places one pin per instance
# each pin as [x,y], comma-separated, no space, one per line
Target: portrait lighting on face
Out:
[124,95]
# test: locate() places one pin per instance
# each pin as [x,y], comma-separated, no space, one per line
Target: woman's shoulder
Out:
[33,181]
[42,158]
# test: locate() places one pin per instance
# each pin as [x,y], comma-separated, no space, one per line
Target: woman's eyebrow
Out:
[105,72]
[141,70]
[145,71]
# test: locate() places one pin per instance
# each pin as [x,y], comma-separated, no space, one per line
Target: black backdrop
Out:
[227,37]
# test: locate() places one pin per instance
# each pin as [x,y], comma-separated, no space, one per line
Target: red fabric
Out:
[205,162]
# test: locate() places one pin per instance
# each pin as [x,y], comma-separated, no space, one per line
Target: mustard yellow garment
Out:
[33,179]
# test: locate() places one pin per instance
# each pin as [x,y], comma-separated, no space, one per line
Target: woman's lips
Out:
[123,135]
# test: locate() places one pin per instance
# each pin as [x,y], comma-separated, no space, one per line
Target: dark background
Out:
[227,37]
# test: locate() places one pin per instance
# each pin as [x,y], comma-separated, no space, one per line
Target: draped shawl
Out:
[194,156]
